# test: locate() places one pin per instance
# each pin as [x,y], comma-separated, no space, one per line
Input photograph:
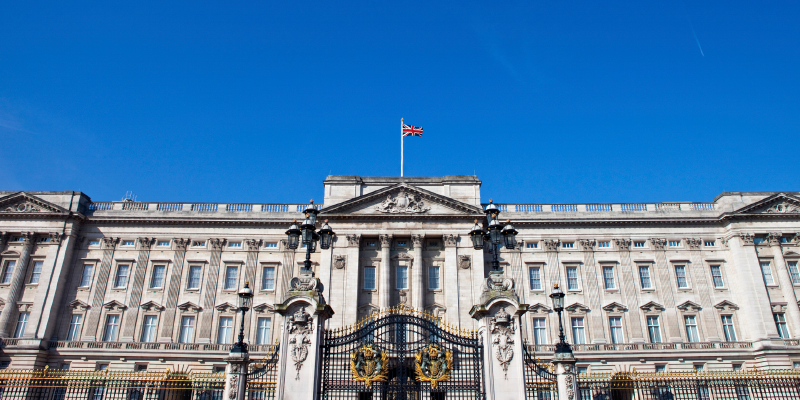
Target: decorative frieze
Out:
[658,243]
[623,244]
[693,243]
[587,244]
[353,240]
[747,238]
[550,244]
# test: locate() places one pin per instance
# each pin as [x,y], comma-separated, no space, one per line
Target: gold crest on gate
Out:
[368,365]
[433,364]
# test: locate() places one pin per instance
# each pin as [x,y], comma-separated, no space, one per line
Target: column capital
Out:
[28,238]
[181,243]
[55,237]
[110,243]
[417,240]
[587,244]
[550,244]
[145,243]
[623,244]
[693,243]
[386,240]
[658,243]
[253,244]
[774,238]
[747,238]
[353,240]
[450,240]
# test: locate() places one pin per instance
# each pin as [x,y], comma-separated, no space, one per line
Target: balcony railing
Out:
[649,347]
[605,207]
[198,207]
[180,347]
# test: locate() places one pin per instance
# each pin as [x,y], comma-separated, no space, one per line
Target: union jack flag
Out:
[411,130]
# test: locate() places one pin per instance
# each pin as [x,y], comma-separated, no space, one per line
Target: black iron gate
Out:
[540,381]
[401,354]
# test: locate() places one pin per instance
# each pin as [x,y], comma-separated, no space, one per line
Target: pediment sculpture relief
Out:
[403,203]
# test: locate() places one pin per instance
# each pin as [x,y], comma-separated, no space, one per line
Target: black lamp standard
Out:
[558,304]
[307,232]
[245,302]
[498,233]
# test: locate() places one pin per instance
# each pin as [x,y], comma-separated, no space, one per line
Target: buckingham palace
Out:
[134,285]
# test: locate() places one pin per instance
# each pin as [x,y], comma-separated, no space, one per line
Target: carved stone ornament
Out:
[747,238]
[658,243]
[587,244]
[404,297]
[464,262]
[216,243]
[234,382]
[550,245]
[114,306]
[55,237]
[110,243]
[300,327]
[724,241]
[782,207]
[417,240]
[726,305]
[433,364]
[23,207]
[693,243]
[498,282]
[145,243]
[689,306]
[304,283]
[774,238]
[181,244]
[652,306]
[403,203]
[569,379]
[538,308]
[623,244]
[253,244]
[353,240]
[502,328]
[369,364]
[339,261]
[450,240]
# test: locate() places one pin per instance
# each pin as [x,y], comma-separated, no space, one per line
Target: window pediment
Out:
[152,306]
[114,306]
[189,306]
[577,308]
[538,308]
[227,307]
[264,308]
[79,305]
[615,307]
[652,306]
[726,305]
[689,306]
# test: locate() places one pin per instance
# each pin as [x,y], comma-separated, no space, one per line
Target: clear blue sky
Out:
[546,101]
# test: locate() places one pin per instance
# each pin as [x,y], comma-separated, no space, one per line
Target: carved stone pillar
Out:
[236,376]
[593,290]
[174,288]
[53,261]
[100,284]
[666,290]
[8,317]
[352,270]
[747,285]
[708,316]
[629,290]
[3,241]
[129,327]
[787,286]
[449,282]
[566,376]
[417,290]
[385,274]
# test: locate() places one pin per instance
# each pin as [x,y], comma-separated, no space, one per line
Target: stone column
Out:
[417,290]
[43,297]
[7,320]
[593,291]
[385,274]
[566,375]
[236,375]
[666,291]
[749,291]
[175,279]
[352,271]
[709,323]
[210,297]
[57,277]
[448,281]
[787,286]
[100,284]
[142,261]
[629,290]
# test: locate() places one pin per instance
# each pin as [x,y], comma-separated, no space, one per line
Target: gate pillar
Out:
[305,313]
[236,375]
[498,317]
[566,376]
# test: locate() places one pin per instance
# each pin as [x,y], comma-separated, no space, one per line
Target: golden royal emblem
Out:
[433,364]
[368,364]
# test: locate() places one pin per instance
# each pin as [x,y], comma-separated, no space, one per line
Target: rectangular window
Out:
[112,326]
[22,323]
[86,276]
[127,243]
[615,324]
[231,275]
[608,278]
[157,280]
[661,368]
[535,278]
[691,328]
[149,328]
[369,278]
[766,271]
[271,244]
[727,328]
[9,272]
[225,330]
[578,334]
[780,323]
[433,243]
[653,330]
[644,277]
[674,243]
[533,245]
[199,244]
[402,243]
[74,332]
[194,277]
[235,245]
[264,326]
[603,244]
[122,276]
[433,278]
[572,278]
[793,273]
[37,272]
[567,245]
[187,330]
[268,279]
[638,244]
[371,243]
[402,277]
[163,243]
[94,243]
[709,243]
[758,240]
[716,275]
[539,331]
[680,275]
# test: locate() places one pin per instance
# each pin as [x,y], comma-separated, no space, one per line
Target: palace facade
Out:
[653,286]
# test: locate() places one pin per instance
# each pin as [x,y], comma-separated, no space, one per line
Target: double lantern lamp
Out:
[308,234]
[496,235]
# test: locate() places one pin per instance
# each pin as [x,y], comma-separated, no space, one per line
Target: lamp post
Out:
[245,302]
[307,233]
[558,304]
[497,233]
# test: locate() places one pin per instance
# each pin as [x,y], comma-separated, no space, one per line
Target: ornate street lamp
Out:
[308,235]
[497,234]
[245,302]
[558,304]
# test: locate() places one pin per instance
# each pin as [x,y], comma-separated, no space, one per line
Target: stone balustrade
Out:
[650,347]
[181,347]
[605,207]
[204,208]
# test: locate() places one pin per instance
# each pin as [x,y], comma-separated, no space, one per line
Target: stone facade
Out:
[133,284]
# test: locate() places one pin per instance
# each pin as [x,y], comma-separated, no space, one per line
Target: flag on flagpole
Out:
[411,130]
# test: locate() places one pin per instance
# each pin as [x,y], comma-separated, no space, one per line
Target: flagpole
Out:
[401,147]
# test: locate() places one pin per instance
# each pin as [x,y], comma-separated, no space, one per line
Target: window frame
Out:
[684,267]
[793,276]
[153,276]
[199,278]
[695,327]
[227,279]
[398,277]
[573,327]
[538,268]
[542,329]
[33,262]
[781,326]
[612,327]
[761,263]
[438,277]
[574,267]
[106,325]
[181,327]
[658,328]
[721,275]
[145,326]
[74,330]
[648,268]
[91,265]
[22,324]
[127,275]
[274,268]
[374,272]
[732,326]
[229,337]
[604,267]
[268,337]
[5,271]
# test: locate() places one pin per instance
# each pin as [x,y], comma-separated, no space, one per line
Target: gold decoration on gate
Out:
[433,364]
[368,364]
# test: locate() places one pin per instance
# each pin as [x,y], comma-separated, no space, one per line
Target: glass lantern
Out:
[509,236]
[558,298]
[325,236]
[245,297]
[477,236]
[293,235]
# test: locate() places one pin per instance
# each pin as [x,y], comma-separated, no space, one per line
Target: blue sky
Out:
[259,101]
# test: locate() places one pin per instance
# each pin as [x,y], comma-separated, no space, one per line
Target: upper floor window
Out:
[433,277]
[608,278]
[680,276]
[784,239]
[758,240]
[86,276]
[539,331]
[780,323]
[235,245]
[674,243]
[604,244]
[149,324]
[433,243]
[199,244]
[567,245]
[691,328]
[225,330]
[531,245]
[263,333]
[22,323]
[369,278]
[727,328]
[44,239]
[578,332]
[615,325]
[94,242]
[8,272]
[402,277]
[231,275]
[163,243]
[653,329]
[709,243]
[121,279]
[534,274]
[793,273]
[638,244]
[268,279]
[127,243]
[271,244]
[402,243]
[716,275]
[74,331]
[187,330]
[157,280]
[18,239]
[766,271]
[112,327]
[644,277]
[193,281]
[37,272]
[572,278]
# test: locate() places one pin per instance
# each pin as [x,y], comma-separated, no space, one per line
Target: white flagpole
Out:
[401,147]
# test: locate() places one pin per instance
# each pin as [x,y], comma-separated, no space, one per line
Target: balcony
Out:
[650,347]
[161,348]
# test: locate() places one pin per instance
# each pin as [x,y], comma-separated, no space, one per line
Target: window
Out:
[653,329]
[369,278]
[264,325]
[780,323]
[163,243]
[766,271]
[583,370]
[644,277]
[231,275]
[572,278]
[433,278]
[578,334]
[94,243]
[9,272]
[199,244]
[608,278]
[43,240]
[534,273]
[74,332]
[402,277]
[219,369]
[235,245]
[22,323]
[727,327]
[371,243]
[101,367]
[187,330]
[709,243]
[140,367]
[737,367]
[225,330]
[698,367]
[603,244]
[268,279]
[792,265]
[796,365]
[716,275]
[638,244]
[402,243]
[157,280]
[37,272]
[194,277]
[691,328]
[122,276]
[86,276]
[674,243]
[758,240]
[661,368]
[64,367]
[680,275]
[433,243]
[271,244]
[539,331]
[615,324]
[127,243]
[112,326]
[533,245]
[567,245]
[149,328]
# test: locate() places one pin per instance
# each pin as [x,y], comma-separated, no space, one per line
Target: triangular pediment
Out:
[151,306]
[689,306]
[577,308]
[615,307]
[264,308]
[538,308]
[652,306]
[404,200]
[23,203]
[189,306]
[114,306]
[726,305]
[78,305]
[779,203]
[227,307]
